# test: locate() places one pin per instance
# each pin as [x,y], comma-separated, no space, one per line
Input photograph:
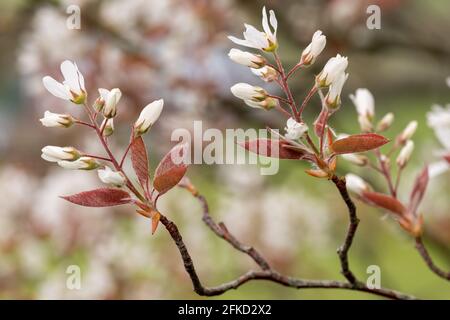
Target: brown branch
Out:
[267,273]
[353,225]
[429,261]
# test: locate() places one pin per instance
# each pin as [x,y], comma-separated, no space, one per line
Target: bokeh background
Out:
[177,50]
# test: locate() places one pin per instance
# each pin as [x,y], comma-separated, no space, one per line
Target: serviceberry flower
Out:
[312,51]
[148,117]
[72,88]
[56,120]
[253,96]
[111,99]
[332,70]
[82,163]
[248,59]
[408,132]
[386,122]
[294,129]
[268,74]
[356,184]
[109,126]
[333,97]
[365,107]
[405,154]
[253,38]
[109,176]
[55,154]
[439,120]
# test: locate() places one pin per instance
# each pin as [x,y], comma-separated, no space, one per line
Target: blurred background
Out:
[177,50]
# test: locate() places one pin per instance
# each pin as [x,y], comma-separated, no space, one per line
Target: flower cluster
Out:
[297,143]
[106,106]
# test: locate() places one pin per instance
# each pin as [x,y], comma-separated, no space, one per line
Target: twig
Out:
[429,261]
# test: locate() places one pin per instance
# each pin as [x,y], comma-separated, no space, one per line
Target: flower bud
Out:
[294,129]
[148,117]
[56,120]
[109,176]
[268,74]
[109,127]
[405,154]
[55,154]
[99,103]
[333,97]
[248,59]
[266,104]
[386,122]
[357,159]
[313,50]
[364,123]
[356,184]
[408,132]
[83,163]
[245,91]
[111,100]
[364,102]
[331,71]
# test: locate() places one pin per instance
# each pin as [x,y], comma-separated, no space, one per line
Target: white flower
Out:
[365,124]
[408,132]
[386,122]
[83,163]
[332,70]
[357,159]
[254,38]
[55,154]
[313,50]
[266,104]
[246,91]
[266,73]
[111,99]
[364,102]
[356,184]
[57,120]
[109,126]
[439,120]
[333,97]
[72,88]
[246,58]
[148,116]
[294,129]
[405,154]
[437,168]
[109,176]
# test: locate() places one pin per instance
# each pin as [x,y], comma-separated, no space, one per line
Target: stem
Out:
[96,157]
[84,124]
[284,85]
[351,231]
[429,261]
[308,97]
[125,154]
[295,68]
[385,172]
[397,181]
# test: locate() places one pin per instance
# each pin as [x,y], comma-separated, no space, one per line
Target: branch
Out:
[267,273]
[353,225]
[429,261]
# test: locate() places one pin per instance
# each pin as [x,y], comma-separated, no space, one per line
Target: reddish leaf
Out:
[272,148]
[447,158]
[358,143]
[321,122]
[384,201]
[156,216]
[139,160]
[171,169]
[104,197]
[418,191]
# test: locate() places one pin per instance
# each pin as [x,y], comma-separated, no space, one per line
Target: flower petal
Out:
[55,88]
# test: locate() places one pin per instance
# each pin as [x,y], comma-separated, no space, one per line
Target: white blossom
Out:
[294,129]
[108,124]
[266,73]
[246,58]
[72,88]
[386,122]
[333,97]
[357,159]
[246,91]
[56,120]
[111,99]
[109,176]
[55,154]
[408,132]
[148,116]
[254,38]
[356,184]
[405,154]
[312,51]
[364,102]
[332,70]
[439,120]
[82,163]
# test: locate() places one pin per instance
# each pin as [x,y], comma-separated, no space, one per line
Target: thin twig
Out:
[429,261]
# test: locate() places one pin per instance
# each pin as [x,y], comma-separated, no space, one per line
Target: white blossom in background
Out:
[56,120]
[108,176]
[356,184]
[405,154]
[439,120]
[148,116]
[312,51]
[355,158]
[253,38]
[55,154]
[332,70]
[385,122]
[294,129]
[365,107]
[409,131]
[72,88]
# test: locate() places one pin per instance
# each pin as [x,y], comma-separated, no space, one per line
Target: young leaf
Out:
[418,191]
[103,197]
[139,159]
[358,143]
[384,201]
[171,169]
[272,148]
[321,122]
